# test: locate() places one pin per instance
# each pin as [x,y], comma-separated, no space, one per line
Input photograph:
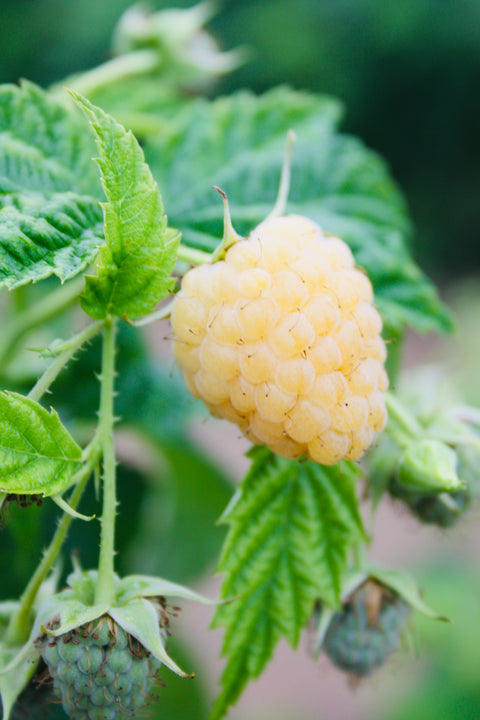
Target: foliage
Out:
[237,143]
[295,530]
[138,256]
[290,528]
[51,221]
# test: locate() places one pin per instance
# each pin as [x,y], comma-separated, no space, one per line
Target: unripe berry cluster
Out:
[99,671]
[281,338]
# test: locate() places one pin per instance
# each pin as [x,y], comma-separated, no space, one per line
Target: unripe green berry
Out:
[100,672]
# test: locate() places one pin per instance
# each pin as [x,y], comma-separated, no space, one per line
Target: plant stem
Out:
[402,425]
[112,71]
[193,255]
[35,315]
[161,314]
[67,350]
[105,589]
[19,627]
[284,188]
[359,556]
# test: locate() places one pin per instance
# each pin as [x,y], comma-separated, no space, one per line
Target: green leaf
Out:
[291,525]
[37,454]
[50,218]
[237,143]
[135,265]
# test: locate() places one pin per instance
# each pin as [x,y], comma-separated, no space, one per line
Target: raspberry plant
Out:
[290,326]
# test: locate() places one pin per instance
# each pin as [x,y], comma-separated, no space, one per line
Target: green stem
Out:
[402,425]
[105,590]
[19,627]
[67,350]
[284,188]
[37,314]
[359,556]
[193,255]
[113,71]
[162,314]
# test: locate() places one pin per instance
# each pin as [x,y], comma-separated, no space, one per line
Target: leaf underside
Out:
[135,265]
[290,530]
[50,218]
[37,454]
[237,143]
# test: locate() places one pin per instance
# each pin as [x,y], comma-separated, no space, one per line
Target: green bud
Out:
[429,465]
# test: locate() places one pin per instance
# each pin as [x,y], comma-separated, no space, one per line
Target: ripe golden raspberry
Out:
[281,338]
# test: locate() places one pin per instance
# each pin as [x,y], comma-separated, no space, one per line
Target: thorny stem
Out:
[106,580]
[19,627]
[66,351]
[36,315]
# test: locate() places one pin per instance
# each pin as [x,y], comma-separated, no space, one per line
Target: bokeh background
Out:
[409,75]
[408,72]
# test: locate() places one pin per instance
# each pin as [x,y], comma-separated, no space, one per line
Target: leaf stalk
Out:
[37,314]
[67,351]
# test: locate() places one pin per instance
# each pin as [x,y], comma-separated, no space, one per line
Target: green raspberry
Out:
[367,631]
[99,671]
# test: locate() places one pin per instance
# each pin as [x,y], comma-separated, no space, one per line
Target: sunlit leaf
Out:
[135,266]
[38,456]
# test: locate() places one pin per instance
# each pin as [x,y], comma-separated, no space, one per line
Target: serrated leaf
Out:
[135,265]
[50,217]
[37,454]
[238,142]
[290,529]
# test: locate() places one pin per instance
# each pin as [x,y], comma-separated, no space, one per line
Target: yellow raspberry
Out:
[282,338]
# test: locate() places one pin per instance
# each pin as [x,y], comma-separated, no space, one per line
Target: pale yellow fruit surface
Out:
[283,339]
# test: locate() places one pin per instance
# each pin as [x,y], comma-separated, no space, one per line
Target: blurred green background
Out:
[409,75]
[408,72]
